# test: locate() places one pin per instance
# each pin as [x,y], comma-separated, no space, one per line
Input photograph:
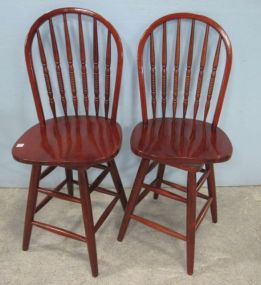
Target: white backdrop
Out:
[240,118]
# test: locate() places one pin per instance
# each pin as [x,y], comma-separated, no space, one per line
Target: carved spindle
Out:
[46,74]
[201,72]
[153,75]
[164,69]
[212,78]
[58,67]
[176,70]
[83,65]
[96,67]
[189,66]
[70,64]
[107,75]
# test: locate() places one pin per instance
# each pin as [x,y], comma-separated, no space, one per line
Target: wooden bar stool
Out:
[175,132]
[75,139]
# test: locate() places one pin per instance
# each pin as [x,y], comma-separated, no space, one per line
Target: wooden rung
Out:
[152,166]
[59,231]
[75,182]
[203,212]
[105,214]
[48,170]
[202,179]
[165,193]
[158,227]
[99,179]
[145,192]
[203,196]
[100,166]
[105,191]
[174,185]
[58,195]
[48,198]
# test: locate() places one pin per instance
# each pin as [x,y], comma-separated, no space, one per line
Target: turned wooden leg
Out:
[69,180]
[212,192]
[133,197]
[160,173]
[31,204]
[117,182]
[191,220]
[88,220]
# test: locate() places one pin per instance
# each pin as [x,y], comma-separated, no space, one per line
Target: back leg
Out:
[69,180]
[160,173]
[212,192]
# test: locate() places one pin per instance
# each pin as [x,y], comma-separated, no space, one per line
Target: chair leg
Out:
[31,204]
[191,221]
[160,173]
[212,192]
[88,220]
[133,197]
[117,182]
[69,180]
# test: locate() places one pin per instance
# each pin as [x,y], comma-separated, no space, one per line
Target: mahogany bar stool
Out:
[180,128]
[76,131]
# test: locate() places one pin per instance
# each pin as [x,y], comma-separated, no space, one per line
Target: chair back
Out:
[74,60]
[184,62]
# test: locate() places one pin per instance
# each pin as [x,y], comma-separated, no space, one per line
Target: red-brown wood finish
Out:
[76,142]
[189,144]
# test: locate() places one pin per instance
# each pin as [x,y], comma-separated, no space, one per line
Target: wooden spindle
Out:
[153,75]
[58,67]
[46,74]
[96,67]
[83,66]
[189,66]
[212,78]
[201,72]
[176,70]
[107,75]
[70,64]
[164,69]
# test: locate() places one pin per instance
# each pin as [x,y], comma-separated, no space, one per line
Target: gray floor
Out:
[226,253]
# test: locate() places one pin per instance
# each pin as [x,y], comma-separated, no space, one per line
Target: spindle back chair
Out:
[75,49]
[171,132]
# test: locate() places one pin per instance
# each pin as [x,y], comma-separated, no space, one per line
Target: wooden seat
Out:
[72,142]
[180,141]
[77,130]
[184,62]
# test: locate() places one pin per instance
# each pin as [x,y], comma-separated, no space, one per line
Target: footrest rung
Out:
[99,179]
[145,192]
[203,212]
[165,193]
[152,166]
[48,198]
[47,171]
[105,214]
[202,179]
[59,195]
[59,231]
[105,191]
[158,227]
[175,185]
